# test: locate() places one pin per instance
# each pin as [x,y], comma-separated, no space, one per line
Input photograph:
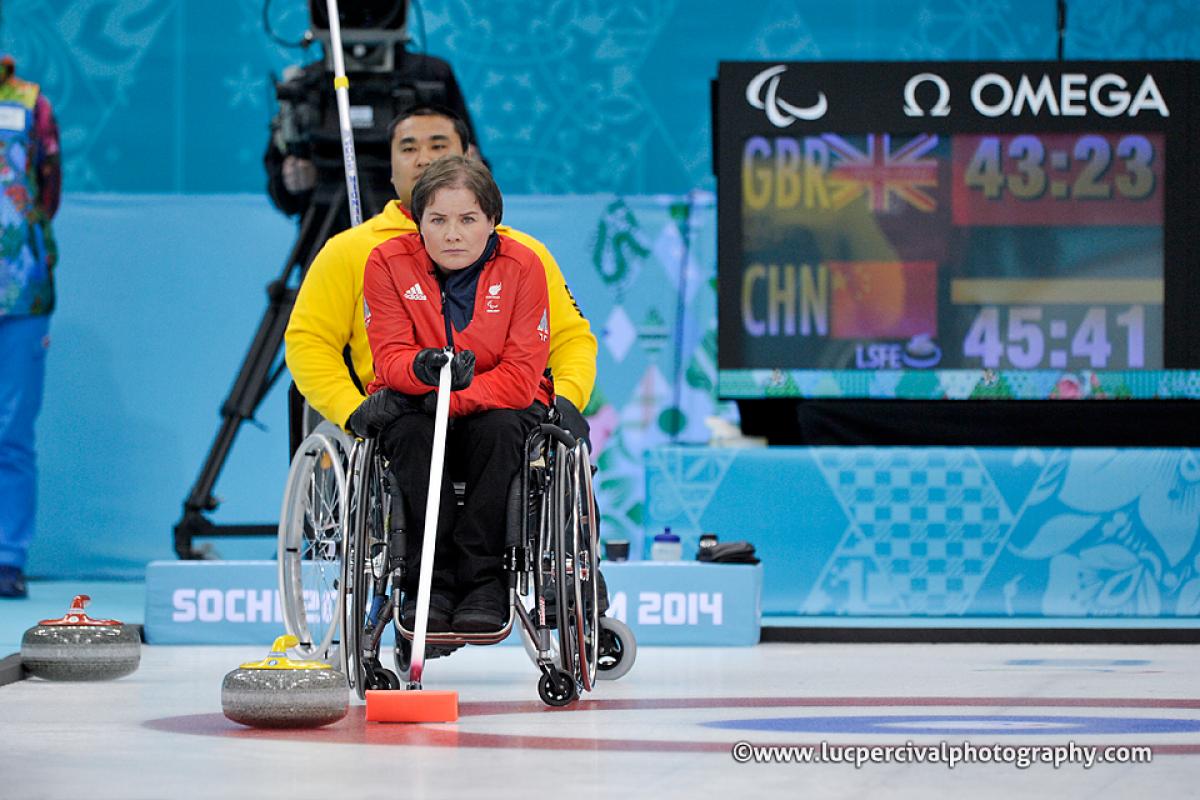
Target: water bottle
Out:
[666,547]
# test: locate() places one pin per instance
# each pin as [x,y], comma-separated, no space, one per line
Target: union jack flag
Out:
[881,173]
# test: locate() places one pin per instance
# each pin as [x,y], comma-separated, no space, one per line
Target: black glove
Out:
[379,410]
[428,364]
[462,370]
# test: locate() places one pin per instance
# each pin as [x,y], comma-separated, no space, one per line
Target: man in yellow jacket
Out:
[327,318]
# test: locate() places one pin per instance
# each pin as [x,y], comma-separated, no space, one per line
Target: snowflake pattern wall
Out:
[573,96]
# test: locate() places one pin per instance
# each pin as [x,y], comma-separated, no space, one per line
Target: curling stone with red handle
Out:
[79,648]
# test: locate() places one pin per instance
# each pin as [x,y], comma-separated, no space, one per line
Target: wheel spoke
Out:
[310,545]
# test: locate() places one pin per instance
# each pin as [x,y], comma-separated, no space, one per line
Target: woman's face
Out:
[455,228]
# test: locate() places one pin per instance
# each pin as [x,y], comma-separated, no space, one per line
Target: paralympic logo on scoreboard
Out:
[780,112]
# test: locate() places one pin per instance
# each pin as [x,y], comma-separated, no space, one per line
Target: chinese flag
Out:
[883,299]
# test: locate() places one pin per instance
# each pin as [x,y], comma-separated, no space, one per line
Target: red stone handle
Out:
[76,616]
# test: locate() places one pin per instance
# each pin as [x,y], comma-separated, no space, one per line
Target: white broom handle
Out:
[341,88]
[433,504]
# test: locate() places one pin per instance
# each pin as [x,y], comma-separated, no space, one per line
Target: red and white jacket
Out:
[509,330]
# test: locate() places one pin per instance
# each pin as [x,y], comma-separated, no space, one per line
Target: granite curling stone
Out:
[79,648]
[278,692]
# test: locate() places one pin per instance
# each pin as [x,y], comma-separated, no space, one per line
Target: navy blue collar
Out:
[458,286]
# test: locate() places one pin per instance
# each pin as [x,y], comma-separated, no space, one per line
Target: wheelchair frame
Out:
[551,556]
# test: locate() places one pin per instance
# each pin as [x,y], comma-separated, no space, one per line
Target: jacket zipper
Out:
[446,319]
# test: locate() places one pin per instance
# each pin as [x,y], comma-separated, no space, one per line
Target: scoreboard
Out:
[942,230]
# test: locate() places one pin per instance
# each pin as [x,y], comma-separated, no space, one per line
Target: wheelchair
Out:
[342,543]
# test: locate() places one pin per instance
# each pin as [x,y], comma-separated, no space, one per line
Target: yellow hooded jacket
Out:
[328,317]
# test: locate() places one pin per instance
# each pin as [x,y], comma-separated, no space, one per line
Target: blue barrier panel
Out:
[1016,533]
[237,602]
[212,602]
[686,603]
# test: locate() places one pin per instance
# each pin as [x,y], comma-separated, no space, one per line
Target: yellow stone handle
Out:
[277,658]
[283,644]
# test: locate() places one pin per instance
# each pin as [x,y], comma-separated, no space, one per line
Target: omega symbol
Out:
[940,109]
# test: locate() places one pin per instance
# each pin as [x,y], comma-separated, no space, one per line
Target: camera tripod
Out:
[260,369]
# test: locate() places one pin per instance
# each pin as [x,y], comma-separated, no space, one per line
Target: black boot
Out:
[441,609]
[484,609]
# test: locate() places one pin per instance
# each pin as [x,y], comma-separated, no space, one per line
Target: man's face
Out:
[417,143]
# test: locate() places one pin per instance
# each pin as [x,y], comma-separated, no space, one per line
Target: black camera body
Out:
[299,98]
[385,80]
[365,14]
[307,124]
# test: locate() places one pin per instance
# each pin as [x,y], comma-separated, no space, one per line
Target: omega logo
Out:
[1107,95]
[940,109]
[1073,94]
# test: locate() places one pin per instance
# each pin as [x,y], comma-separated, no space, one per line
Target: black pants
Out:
[484,451]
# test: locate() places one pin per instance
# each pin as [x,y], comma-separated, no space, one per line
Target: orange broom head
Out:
[416,705]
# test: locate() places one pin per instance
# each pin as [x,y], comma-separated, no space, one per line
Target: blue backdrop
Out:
[167,241]
[574,96]
[160,296]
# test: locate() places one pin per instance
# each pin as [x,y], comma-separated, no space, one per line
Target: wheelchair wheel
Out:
[381,678]
[558,691]
[356,593]
[618,649]
[402,653]
[575,543]
[312,525]
[562,545]
[586,543]
[366,604]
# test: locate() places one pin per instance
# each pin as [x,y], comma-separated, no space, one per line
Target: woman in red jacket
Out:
[458,284]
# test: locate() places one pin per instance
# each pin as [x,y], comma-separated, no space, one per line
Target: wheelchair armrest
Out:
[555,432]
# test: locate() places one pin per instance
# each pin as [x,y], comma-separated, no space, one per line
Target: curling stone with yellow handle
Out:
[279,692]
